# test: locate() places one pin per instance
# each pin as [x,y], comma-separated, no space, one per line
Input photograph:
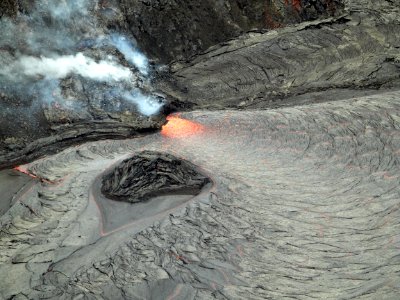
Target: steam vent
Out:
[182,149]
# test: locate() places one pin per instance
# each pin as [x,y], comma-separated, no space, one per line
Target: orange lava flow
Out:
[25,171]
[180,128]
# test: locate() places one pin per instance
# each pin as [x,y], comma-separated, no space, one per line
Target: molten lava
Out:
[180,128]
[25,171]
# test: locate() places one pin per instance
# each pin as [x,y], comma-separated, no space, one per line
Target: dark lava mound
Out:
[150,174]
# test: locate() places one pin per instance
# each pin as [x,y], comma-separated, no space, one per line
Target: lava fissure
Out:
[178,127]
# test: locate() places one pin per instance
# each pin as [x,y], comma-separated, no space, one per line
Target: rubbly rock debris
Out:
[151,174]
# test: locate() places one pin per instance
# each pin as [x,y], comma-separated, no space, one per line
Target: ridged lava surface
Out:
[358,49]
[305,205]
[149,174]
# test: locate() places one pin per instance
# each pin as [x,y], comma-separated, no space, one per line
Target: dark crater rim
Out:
[191,191]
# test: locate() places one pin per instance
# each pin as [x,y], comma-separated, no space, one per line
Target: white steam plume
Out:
[62,66]
[65,10]
[43,52]
[131,54]
[147,105]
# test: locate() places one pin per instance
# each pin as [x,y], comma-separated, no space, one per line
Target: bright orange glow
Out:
[180,128]
[25,171]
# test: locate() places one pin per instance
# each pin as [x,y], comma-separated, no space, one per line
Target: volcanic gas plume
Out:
[61,41]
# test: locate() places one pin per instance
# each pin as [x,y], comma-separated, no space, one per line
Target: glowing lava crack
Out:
[178,127]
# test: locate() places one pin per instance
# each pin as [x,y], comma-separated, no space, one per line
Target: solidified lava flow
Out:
[25,170]
[149,174]
[305,201]
[278,178]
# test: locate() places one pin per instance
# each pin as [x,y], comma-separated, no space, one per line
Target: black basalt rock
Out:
[8,8]
[150,174]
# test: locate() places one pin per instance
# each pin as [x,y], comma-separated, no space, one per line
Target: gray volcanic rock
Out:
[171,30]
[40,113]
[279,13]
[11,183]
[357,50]
[305,204]
[149,174]
[33,122]
[8,8]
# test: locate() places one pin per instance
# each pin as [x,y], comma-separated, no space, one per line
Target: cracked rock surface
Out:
[149,174]
[358,49]
[306,206]
[46,113]
[219,54]
[305,196]
[171,30]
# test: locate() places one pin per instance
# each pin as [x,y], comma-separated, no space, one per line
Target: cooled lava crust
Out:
[150,174]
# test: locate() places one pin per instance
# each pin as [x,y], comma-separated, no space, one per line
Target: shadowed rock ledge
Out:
[180,29]
[357,50]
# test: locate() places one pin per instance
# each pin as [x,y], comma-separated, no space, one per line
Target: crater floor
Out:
[305,204]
